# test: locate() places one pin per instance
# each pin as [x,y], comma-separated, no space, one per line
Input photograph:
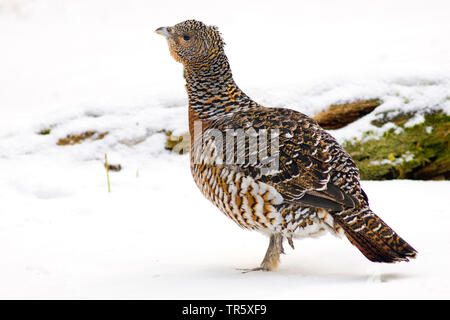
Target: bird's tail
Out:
[373,237]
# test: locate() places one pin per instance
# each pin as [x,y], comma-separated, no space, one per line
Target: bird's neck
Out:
[212,91]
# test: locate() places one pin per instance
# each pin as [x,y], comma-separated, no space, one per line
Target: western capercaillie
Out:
[296,182]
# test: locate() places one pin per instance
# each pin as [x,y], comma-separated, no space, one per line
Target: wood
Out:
[338,116]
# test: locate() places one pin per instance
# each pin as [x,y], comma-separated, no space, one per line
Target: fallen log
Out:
[339,115]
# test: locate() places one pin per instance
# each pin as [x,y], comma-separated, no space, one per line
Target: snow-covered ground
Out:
[155,237]
[74,66]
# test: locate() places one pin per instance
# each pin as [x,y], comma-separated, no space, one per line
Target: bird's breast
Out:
[249,203]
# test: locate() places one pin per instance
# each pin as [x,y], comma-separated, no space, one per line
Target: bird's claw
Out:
[247,270]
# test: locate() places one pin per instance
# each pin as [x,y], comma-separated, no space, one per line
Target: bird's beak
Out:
[163,31]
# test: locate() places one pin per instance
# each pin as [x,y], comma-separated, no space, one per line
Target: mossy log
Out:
[418,152]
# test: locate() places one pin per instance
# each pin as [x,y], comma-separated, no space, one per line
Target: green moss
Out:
[418,152]
[45,131]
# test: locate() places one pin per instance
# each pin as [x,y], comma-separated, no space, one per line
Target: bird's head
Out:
[192,42]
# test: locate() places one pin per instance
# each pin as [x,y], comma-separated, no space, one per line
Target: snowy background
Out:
[73,66]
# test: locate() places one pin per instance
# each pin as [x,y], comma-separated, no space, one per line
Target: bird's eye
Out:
[186,37]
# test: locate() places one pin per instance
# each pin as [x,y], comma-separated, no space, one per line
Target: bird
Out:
[308,185]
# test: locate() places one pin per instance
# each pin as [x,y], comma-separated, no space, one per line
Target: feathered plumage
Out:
[303,184]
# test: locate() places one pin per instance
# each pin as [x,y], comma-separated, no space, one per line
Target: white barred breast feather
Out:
[249,203]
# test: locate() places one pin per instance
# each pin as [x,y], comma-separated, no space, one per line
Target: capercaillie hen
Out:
[299,184]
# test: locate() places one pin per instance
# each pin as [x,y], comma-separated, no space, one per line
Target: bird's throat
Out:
[212,91]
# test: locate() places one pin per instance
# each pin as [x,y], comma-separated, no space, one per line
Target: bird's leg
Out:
[272,257]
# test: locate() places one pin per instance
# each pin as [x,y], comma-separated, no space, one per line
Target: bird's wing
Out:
[303,166]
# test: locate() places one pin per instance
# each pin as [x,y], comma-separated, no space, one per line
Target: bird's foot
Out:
[272,257]
[270,263]
[245,270]
[261,268]
[265,266]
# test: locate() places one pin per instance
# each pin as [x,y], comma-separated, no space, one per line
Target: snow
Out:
[74,66]
[66,237]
